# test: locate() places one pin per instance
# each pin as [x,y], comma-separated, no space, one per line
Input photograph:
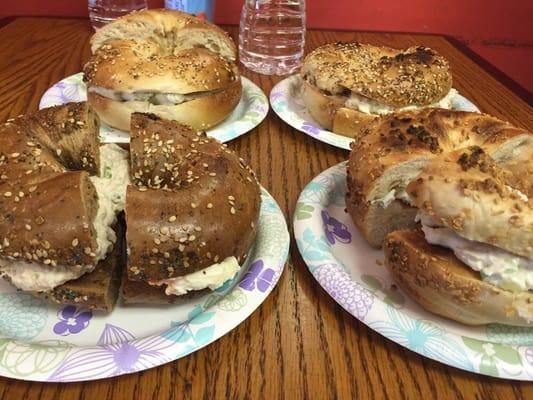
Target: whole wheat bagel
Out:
[188,197]
[163,62]
[360,82]
[55,224]
[396,148]
[193,200]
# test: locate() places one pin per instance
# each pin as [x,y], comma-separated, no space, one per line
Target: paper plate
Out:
[250,111]
[353,274]
[286,101]
[41,342]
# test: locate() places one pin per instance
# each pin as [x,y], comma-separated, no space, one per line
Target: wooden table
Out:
[299,343]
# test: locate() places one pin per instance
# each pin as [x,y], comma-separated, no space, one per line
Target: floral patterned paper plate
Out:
[286,101]
[41,342]
[250,111]
[353,274]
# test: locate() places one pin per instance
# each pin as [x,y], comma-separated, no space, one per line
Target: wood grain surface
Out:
[299,344]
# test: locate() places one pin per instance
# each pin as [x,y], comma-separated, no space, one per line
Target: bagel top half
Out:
[397,78]
[468,192]
[173,30]
[393,150]
[146,67]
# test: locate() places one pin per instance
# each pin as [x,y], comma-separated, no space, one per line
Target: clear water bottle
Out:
[201,8]
[272,35]
[103,11]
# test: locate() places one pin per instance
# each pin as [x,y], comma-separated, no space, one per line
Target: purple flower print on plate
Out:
[310,128]
[349,294]
[256,275]
[117,352]
[335,229]
[72,321]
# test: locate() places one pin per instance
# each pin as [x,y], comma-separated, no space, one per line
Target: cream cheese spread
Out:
[496,266]
[394,194]
[369,106]
[151,97]
[111,189]
[211,277]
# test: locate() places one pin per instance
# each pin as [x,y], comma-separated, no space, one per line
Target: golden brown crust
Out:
[394,149]
[195,204]
[442,284]
[173,28]
[398,78]
[188,63]
[130,65]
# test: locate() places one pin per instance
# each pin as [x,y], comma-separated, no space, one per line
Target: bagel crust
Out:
[175,29]
[194,203]
[398,78]
[396,148]
[468,192]
[439,282]
[200,88]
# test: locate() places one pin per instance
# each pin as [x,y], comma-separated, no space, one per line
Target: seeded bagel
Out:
[166,63]
[194,203]
[393,151]
[370,81]
[467,191]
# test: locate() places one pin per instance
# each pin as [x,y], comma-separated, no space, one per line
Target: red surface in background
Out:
[497,30]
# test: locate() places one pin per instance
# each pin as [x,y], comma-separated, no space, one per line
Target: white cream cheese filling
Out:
[496,266]
[393,194]
[211,277]
[155,98]
[369,106]
[111,189]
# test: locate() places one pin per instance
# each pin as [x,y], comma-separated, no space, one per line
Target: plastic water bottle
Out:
[272,35]
[103,11]
[200,8]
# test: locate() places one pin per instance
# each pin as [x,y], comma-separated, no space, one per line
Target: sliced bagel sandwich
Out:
[472,260]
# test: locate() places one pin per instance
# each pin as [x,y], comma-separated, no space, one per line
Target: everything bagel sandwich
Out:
[60,194]
[348,85]
[171,64]
[191,212]
[472,260]
[393,150]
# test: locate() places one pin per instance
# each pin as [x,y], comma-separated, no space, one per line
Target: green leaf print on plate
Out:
[25,359]
[493,355]
[304,211]
[391,296]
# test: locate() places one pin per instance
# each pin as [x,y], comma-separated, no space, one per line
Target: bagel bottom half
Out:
[442,284]
[200,113]
[331,113]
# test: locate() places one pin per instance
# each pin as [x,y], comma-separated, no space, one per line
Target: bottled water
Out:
[103,11]
[201,8]
[272,35]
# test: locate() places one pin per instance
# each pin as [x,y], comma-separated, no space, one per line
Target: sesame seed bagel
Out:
[468,192]
[442,284]
[195,87]
[194,203]
[393,150]
[163,62]
[174,30]
[371,81]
